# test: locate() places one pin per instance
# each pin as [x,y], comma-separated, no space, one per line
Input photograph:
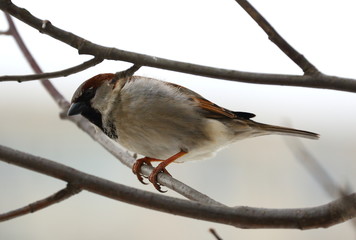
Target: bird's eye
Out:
[90,92]
[86,95]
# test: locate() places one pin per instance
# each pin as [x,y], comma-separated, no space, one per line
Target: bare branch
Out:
[277,39]
[62,73]
[86,47]
[327,215]
[59,196]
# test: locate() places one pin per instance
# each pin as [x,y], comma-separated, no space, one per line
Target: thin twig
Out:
[126,73]
[62,73]
[56,95]
[326,215]
[86,47]
[59,196]
[5,32]
[215,234]
[277,39]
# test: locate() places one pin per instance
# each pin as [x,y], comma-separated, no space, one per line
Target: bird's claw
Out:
[137,166]
[153,176]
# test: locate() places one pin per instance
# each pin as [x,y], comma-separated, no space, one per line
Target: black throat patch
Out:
[95,117]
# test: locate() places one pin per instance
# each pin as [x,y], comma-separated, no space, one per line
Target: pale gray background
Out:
[259,172]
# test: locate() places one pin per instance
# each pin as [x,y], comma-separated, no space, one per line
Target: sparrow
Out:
[164,122]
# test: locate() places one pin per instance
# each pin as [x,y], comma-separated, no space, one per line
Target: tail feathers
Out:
[270,129]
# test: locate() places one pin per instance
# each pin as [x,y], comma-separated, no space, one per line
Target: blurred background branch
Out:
[315,169]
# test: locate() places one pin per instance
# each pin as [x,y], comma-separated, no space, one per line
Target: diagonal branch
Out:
[57,96]
[277,39]
[326,215]
[86,47]
[215,234]
[62,73]
[59,196]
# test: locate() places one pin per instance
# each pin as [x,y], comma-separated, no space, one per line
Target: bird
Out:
[164,122]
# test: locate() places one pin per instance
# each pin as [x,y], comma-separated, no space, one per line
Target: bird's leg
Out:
[162,168]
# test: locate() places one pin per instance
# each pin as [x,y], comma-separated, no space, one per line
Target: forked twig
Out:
[62,73]
[57,197]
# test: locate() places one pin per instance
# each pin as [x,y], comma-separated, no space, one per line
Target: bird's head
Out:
[91,97]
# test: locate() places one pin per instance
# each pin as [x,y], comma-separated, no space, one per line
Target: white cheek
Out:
[102,98]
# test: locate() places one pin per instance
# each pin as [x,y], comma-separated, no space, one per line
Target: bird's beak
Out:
[76,108]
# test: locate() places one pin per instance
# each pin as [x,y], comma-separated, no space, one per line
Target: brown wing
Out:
[209,109]
[214,111]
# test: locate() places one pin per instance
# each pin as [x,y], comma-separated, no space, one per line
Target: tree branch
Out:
[86,47]
[62,73]
[59,196]
[244,217]
[277,39]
